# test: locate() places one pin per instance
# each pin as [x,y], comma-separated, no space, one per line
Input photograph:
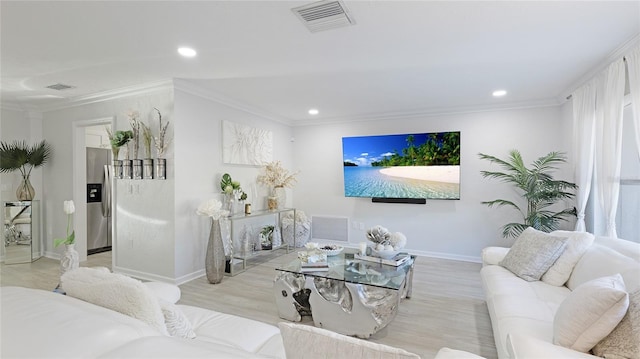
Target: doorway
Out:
[80,142]
[98,185]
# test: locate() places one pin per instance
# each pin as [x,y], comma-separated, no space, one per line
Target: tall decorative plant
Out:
[147,137]
[162,141]
[135,131]
[538,188]
[19,156]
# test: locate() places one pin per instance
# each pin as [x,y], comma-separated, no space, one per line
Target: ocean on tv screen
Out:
[431,182]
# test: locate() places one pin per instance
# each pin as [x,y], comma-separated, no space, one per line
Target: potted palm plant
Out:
[19,156]
[538,188]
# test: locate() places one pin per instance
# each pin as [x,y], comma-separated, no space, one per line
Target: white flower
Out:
[378,234]
[311,245]
[398,240]
[212,208]
[69,208]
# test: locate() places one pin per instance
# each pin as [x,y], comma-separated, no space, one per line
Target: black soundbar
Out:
[399,200]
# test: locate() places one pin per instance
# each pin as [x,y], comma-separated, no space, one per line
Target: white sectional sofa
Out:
[120,317]
[41,324]
[522,312]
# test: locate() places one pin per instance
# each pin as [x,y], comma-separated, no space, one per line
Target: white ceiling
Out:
[401,57]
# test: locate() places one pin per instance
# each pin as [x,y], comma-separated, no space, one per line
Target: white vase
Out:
[70,259]
[281,195]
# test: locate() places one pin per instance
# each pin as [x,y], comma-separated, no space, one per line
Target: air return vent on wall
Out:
[324,15]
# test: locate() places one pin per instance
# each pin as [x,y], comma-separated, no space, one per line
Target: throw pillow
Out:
[623,340]
[577,244]
[165,291]
[590,313]
[178,325]
[533,253]
[116,292]
[307,342]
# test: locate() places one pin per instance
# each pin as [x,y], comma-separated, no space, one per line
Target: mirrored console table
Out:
[22,242]
[243,235]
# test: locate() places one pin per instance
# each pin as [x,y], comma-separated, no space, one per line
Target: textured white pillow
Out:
[599,261]
[577,244]
[590,313]
[165,291]
[116,292]
[533,253]
[307,342]
[623,342]
[178,325]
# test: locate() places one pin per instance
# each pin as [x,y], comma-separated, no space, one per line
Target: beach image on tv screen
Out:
[419,165]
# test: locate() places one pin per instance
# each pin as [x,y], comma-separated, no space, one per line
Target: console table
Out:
[21,231]
[354,297]
[242,252]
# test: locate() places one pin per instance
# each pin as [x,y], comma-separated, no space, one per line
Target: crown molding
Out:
[200,91]
[109,95]
[616,54]
[16,106]
[430,112]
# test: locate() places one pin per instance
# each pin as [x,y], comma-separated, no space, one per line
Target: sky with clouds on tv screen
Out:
[366,149]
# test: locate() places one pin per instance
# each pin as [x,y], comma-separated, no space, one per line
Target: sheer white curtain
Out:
[609,105]
[633,69]
[584,111]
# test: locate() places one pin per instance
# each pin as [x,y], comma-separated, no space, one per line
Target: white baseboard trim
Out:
[143,275]
[52,255]
[454,257]
[158,278]
[189,277]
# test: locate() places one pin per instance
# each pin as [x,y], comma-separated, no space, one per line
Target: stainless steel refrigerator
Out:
[98,200]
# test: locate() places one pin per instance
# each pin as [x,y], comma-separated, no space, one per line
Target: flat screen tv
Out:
[405,166]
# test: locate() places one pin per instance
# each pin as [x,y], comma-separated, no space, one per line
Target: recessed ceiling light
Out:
[314,111]
[499,93]
[187,51]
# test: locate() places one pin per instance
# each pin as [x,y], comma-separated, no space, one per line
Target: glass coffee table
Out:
[354,297]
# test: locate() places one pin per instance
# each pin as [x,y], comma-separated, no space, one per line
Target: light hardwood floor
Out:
[447,307]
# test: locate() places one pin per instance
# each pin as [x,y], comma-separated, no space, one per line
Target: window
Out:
[628,214]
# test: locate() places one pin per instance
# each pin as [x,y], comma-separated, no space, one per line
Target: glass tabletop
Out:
[345,267]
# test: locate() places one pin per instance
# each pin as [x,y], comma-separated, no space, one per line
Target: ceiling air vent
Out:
[60,87]
[324,15]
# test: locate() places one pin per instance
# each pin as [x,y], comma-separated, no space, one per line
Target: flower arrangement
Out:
[69,209]
[231,187]
[135,131]
[118,139]
[161,142]
[277,176]
[385,240]
[212,208]
[266,236]
[147,137]
[18,155]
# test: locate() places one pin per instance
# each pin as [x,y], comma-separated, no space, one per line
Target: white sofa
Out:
[42,324]
[522,313]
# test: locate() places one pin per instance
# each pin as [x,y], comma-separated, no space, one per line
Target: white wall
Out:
[446,228]
[199,168]
[59,128]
